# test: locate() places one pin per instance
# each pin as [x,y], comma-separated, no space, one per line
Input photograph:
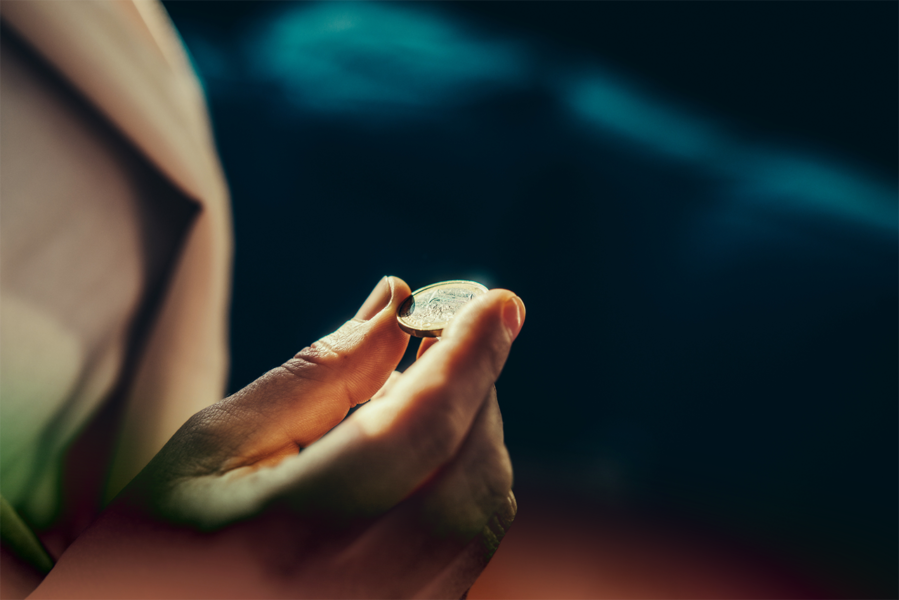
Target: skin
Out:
[408,497]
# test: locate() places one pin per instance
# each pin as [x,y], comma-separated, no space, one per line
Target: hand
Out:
[409,496]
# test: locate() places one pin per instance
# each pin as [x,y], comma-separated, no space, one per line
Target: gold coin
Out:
[430,309]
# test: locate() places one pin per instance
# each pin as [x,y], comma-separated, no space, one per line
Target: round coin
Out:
[430,309]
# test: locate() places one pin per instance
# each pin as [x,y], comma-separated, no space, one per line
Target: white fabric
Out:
[126,59]
[73,270]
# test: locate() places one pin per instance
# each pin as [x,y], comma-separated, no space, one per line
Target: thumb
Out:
[295,404]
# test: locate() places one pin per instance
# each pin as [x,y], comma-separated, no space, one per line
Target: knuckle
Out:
[330,352]
[313,366]
[319,354]
[205,421]
[196,448]
[341,343]
[499,523]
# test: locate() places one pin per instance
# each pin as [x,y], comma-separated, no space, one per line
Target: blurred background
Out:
[696,201]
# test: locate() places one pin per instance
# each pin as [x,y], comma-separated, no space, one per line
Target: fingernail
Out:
[377,300]
[513,315]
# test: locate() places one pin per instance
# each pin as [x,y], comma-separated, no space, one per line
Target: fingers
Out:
[432,406]
[459,501]
[470,501]
[451,526]
[452,515]
[385,451]
[458,577]
[298,402]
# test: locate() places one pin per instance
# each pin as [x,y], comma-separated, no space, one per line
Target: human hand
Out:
[409,496]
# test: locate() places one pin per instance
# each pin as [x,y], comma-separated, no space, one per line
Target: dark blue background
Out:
[715,183]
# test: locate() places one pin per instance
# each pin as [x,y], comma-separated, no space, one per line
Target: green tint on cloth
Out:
[87,255]
[20,540]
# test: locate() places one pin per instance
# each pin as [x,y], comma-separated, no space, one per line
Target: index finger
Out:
[385,451]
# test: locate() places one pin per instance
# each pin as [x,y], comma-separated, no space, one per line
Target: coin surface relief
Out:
[430,309]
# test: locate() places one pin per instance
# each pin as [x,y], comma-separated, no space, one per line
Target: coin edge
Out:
[426,333]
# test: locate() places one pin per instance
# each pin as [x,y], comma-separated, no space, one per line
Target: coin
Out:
[430,309]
